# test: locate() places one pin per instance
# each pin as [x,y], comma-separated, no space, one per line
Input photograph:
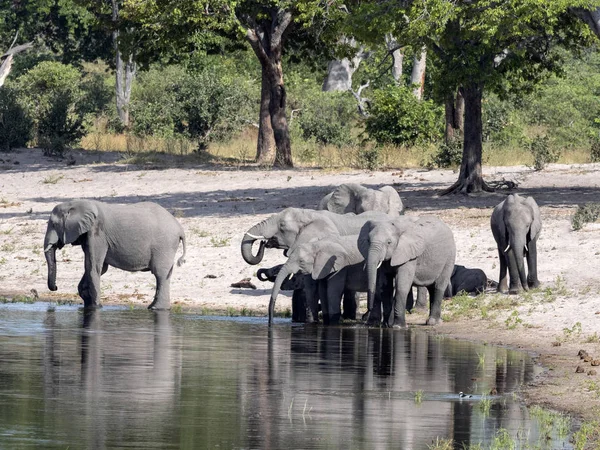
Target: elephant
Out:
[421,253]
[136,237]
[354,198]
[471,281]
[336,263]
[294,226]
[516,225]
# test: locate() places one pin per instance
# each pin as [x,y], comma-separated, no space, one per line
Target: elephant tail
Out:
[181,260]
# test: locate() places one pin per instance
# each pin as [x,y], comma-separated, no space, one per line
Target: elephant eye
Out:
[389,242]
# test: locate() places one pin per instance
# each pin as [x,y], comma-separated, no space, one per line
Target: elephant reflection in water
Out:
[115,375]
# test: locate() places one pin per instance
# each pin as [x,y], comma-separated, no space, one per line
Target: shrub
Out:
[368,158]
[542,152]
[55,99]
[584,214]
[595,151]
[448,154]
[327,117]
[16,127]
[397,117]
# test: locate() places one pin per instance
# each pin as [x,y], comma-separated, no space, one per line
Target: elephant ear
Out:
[411,245]
[330,259]
[393,201]
[79,219]
[342,200]
[536,224]
[324,202]
[315,229]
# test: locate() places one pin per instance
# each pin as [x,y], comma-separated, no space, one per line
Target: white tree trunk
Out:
[340,72]
[125,73]
[417,76]
[397,57]
[5,69]
[7,63]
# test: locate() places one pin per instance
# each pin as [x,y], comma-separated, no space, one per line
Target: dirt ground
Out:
[217,205]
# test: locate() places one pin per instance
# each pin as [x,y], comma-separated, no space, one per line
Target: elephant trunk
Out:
[374,259]
[517,248]
[51,242]
[281,277]
[261,231]
[51,260]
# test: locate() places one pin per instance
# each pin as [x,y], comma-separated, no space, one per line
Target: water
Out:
[138,379]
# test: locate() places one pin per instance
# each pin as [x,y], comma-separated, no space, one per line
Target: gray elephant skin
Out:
[421,253]
[355,198]
[463,279]
[135,237]
[336,263]
[294,226]
[516,225]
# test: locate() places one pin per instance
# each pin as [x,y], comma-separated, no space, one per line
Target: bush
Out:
[397,117]
[448,154]
[584,214]
[542,152]
[595,151]
[54,98]
[16,127]
[368,158]
[327,117]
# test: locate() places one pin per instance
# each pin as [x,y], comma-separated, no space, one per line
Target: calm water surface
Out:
[138,379]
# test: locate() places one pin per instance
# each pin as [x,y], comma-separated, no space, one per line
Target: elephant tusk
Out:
[48,248]
[379,265]
[507,247]
[526,249]
[255,237]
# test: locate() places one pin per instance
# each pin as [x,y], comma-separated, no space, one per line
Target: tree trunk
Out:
[340,72]
[455,116]
[125,72]
[265,147]
[5,69]
[417,76]
[7,63]
[397,57]
[470,179]
[266,41]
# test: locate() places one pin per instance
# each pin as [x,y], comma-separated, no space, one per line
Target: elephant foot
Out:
[91,306]
[434,321]
[398,326]
[370,319]
[514,291]
[533,284]
[159,306]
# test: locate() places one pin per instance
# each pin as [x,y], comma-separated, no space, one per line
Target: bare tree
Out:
[340,71]
[8,58]
[417,76]
[125,71]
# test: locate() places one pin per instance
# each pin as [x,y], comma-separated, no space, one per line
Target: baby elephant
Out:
[472,281]
[135,237]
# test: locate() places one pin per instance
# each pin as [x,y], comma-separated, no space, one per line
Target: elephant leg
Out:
[299,306]
[311,296]
[94,257]
[162,297]
[421,298]
[322,289]
[436,295]
[410,301]
[335,289]
[350,304]
[532,276]
[502,280]
[404,281]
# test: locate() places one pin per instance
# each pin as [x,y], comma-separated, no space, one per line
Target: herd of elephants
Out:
[357,240]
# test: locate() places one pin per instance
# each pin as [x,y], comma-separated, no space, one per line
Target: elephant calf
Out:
[471,281]
[135,237]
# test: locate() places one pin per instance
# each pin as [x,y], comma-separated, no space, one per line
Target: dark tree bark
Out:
[455,116]
[266,41]
[470,179]
[124,70]
[265,147]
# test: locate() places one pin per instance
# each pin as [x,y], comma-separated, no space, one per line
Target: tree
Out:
[482,45]
[264,24]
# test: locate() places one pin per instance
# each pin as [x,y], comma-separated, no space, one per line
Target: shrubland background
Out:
[207,107]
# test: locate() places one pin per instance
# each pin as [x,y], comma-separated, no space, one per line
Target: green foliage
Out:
[448,154]
[397,117]
[368,158]
[327,117]
[203,105]
[55,99]
[513,320]
[16,127]
[542,151]
[595,151]
[589,212]
[501,122]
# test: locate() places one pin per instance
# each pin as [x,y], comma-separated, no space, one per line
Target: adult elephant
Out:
[421,253]
[516,225]
[355,198]
[337,264]
[294,226]
[135,237]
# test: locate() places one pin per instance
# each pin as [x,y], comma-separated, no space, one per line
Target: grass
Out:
[18,299]
[219,242]
[593,386]
[52,179]
[551,421]
[441,444]
[419,396]
[485,405]
[592,339]
[200,233]
[589,212]
[513,320]
[588,433]
[8,247]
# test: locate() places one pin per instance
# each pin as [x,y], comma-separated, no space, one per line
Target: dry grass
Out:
[241,150]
